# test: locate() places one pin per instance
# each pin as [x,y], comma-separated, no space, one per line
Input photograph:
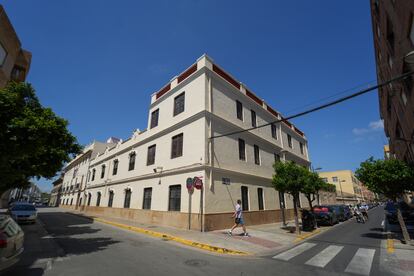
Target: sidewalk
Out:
[263,239]
[399,259]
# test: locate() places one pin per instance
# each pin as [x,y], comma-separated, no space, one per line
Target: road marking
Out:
[325,256]
[287,255]
[390,245]
[361,262]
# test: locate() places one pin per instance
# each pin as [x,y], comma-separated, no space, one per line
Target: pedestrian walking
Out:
[238,219]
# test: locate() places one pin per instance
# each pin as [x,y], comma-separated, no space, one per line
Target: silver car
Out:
[23,212]
[11,242]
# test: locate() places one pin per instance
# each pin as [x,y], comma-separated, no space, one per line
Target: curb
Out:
[308,235]
[202,246]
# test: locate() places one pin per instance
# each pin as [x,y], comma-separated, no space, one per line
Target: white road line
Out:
[325,256]
[361,262]
[287,255]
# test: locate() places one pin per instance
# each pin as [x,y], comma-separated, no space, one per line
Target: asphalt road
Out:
[348,247]
[65,244]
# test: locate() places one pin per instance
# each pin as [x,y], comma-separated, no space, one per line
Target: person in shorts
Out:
[238,219]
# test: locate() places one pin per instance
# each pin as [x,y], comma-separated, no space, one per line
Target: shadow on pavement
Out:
[57,235]
[381,236]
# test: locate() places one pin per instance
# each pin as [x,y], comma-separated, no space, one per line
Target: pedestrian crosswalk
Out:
[360,263]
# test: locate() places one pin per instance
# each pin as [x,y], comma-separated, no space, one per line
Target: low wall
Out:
[181,220]
[163,218]
[224,220]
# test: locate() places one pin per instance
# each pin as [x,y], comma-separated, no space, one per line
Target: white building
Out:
[75,174]
[144,178]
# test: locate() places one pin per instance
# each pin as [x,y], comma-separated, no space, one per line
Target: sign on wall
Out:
[225,181]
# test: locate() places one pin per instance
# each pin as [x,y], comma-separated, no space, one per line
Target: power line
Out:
[359,93]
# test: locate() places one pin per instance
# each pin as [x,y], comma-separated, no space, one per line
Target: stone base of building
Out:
[182,220]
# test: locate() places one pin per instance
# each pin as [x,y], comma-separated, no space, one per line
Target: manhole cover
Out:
[195,262]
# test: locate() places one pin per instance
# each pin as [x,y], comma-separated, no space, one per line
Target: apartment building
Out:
[349,189]
[56,191]
[14,61]
[145,177]
[393,31]
[76,172]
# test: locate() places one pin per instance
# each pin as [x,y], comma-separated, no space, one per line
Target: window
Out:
[260,198]
[177,146]
[111,198]
[151,155]
[3,54]
[103,171]
[71,201]
[98,199]
[174,200]
[115,168]
[324,179]
[147,199]
[154,118]
[127,200]
[239,110]
[89,199]
[390,34]
[88,176]
[274,131]
[256,155]
[131,165]
[245,198]
[93,174]
[75,172]
[254,122]
[411,32]
[301,148]
[242,150]
[289,141]
[179,102]
[277,158]
[335,179]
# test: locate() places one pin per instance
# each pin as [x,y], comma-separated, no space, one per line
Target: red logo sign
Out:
[198,183]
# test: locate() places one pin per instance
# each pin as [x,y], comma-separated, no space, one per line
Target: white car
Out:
[23,212]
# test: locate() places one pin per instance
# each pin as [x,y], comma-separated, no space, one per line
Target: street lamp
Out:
[317,195]
[340,186]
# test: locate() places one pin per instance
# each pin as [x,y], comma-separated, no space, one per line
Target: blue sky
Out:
[96,63]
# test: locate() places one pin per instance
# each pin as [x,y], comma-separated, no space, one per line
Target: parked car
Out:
[23,212]
[406,211]
[347,212]
[325,215]
[11,242]
[339,211]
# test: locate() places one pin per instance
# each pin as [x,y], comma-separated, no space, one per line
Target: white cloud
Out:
[372,127]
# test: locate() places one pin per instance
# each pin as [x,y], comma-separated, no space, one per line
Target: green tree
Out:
[391,178]
[313,184]
[290,178]
[34,142]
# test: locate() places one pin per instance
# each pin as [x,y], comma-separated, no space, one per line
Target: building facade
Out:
[349,189]
[14,61]
[75,174]
[56,192]
[393,30]
[145,177]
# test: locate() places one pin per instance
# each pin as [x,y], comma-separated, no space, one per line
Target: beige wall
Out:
[350,186]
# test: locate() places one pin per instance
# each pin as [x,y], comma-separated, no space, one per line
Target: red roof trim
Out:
[300,132]
[254,97]
[271,110]
[187,73]
[226,76]
[164,90]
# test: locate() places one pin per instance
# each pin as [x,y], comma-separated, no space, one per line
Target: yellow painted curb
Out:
[202,246]
[305,236]
[390,245]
